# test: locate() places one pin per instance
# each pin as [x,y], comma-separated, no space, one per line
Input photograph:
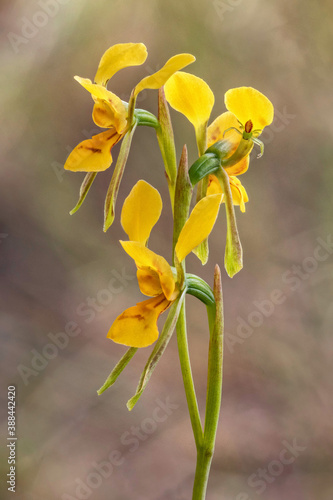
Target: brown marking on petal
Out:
[94,150]
[248,126]
[159,303]
[136,316]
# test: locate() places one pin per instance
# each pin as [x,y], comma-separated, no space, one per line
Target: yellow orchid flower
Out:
[94,155]
[248,113]
[137,326]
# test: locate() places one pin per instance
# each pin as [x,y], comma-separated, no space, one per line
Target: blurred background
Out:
[63,281]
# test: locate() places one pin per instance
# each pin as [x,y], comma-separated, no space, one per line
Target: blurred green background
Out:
[278,374]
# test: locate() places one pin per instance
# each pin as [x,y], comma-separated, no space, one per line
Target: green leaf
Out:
[203,166]
[118,369]
[199,288]
[146,118]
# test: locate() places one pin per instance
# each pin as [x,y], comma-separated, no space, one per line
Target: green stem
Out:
[185,364]
[214,392]
[183,195]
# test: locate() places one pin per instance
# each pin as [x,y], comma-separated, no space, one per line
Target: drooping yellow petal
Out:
[199,225]
[141,210]
[239,194]
[158,79]
[108,104]
[93,155]
[149,282]
[118,57]
[248,104]
[191,96]
[145,258]
[137,326]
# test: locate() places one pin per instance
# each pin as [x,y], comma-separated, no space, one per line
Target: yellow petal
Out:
[158,79]
[93,155]
[216,130]
[199,225]
[191,96]
[144,258]
[141,210]
[118,57]
[137,326]
[149,282]
[107,104]
[239,194]
[248,104]
[214,187]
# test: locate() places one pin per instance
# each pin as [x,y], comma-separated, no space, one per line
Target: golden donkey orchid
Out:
[224,148]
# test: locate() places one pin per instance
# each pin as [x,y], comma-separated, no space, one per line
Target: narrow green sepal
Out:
[200,289]
[112,193]
[145,118]
[183,196]
[203,166]
[233,259]
[118,369]
[158,350]
[85,186]
[166,143]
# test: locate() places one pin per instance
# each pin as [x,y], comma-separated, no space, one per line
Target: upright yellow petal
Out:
[248,104]
[141,210]
[93,155]
[158,79]
[145,258]
[118,57]
[137,326]
[199,225]
[191,96]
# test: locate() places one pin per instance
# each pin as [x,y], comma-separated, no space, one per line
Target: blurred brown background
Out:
[277,404]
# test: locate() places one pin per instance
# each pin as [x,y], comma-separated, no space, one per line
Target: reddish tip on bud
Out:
[248,126]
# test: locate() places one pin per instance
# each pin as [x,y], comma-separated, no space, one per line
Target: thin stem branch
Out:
[185,364]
